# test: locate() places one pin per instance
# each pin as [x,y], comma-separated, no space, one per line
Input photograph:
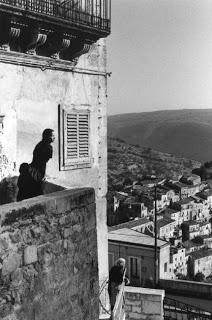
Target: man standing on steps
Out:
[37,168]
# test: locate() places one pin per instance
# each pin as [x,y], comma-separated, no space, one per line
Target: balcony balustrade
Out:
[174,309]
[58,29]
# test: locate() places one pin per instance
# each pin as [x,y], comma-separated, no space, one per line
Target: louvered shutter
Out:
[76,137]
[83,127]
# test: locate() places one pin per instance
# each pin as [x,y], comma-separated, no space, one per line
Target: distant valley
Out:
[183,133]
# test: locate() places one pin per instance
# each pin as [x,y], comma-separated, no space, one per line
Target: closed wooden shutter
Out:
[76,137]
[72,136]
[83,127]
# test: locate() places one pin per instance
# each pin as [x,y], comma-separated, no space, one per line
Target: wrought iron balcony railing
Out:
[59,29]
[89,13]
[174,309]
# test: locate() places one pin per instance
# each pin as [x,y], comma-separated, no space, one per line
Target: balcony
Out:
[133,303]
[57,29]
[177,310]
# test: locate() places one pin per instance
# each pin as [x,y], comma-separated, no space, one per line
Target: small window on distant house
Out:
[74,138]
[134,273]
[144,269]
[110,259]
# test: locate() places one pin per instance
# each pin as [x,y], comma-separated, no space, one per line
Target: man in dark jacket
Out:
[116,278]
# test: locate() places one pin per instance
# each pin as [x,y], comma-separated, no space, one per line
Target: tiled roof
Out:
[191,222]
[131,200]
[204,223]
[121,195]
[130,224]
[185,201]
[190,244]
[169,211]
[163,222]
[134,237]
[201,254]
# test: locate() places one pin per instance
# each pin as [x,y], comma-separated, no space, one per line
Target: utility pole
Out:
[156,244]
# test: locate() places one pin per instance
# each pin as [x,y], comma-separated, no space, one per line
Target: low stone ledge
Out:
[188,288]
[143,303]
[56,202]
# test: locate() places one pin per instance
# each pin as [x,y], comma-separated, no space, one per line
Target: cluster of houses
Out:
[184,237]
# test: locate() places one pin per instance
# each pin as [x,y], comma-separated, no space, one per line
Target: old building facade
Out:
[138,250]
[53,75]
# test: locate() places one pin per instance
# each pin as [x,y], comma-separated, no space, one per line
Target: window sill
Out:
[75,166]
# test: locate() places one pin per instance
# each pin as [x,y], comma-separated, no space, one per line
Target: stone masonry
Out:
[48,257]
[142,303]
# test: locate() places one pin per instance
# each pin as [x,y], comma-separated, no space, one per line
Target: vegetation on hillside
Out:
[128,163]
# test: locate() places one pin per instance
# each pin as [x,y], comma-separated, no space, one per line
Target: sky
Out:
[160,55]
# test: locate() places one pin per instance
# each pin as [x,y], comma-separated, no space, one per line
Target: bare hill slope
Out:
[184,133]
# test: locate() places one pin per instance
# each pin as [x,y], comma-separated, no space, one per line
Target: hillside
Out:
[184,133]
[128,163]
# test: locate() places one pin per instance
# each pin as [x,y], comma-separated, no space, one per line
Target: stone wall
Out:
[187,288]
[48,257]
[142,303]
[9,189]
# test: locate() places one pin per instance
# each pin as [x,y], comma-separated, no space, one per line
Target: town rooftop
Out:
[133,237]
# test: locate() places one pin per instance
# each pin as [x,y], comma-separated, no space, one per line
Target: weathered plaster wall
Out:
[164,259]
[8,143]
[203,265]
[29,100]
[141,303]
[48,258]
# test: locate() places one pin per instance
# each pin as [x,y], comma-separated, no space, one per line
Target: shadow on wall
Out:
[9,189]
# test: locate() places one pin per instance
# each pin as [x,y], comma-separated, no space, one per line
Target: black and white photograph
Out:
[105,159]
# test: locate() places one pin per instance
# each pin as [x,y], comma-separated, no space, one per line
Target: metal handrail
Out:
[93,13]
[102,288]
[118,310]
[174,309]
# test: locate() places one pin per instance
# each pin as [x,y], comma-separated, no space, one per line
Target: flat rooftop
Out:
[133,237]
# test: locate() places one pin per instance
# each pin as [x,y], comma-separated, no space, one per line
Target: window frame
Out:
[112,258]
[138,274]
[75,163]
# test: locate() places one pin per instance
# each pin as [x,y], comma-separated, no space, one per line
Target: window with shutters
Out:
[74,133]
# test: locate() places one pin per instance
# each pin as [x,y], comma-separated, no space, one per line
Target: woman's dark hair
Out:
[23,168]
[47,133]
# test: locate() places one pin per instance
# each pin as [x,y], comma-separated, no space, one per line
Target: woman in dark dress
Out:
[42,153]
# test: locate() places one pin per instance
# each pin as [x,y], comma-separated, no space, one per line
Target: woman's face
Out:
[52,137]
